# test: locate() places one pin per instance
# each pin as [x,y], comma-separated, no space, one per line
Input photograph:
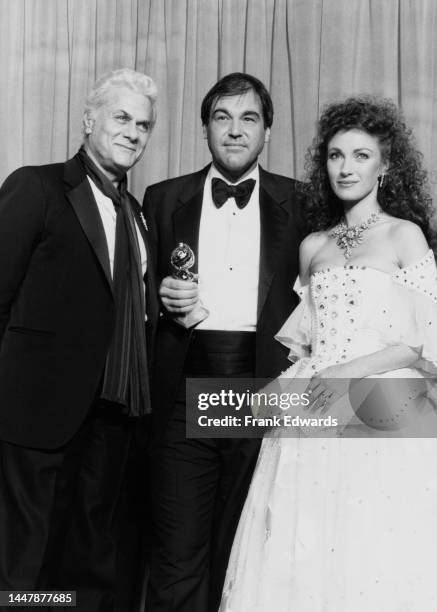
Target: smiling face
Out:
[354,163]
[117,133]
[236,134]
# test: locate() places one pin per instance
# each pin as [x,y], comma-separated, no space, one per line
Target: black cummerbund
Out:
[221,353]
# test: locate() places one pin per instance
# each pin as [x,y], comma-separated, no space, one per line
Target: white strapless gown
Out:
[345,524]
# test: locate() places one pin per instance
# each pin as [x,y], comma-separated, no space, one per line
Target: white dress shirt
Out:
[228,259]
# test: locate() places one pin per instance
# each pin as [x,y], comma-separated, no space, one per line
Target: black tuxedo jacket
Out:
[172,209]
[56,303]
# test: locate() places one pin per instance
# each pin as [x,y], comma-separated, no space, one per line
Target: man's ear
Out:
[267,135]
[88,123]
[205,131]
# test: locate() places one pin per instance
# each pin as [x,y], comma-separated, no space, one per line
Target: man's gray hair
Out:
[124,77]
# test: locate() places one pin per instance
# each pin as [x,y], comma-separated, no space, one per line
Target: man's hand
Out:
[178,296]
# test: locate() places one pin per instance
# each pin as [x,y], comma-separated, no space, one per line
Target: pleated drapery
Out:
[308,52]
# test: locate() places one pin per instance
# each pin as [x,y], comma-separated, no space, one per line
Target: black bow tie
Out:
[221,192]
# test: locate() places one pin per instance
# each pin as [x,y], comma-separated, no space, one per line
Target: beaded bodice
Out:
[350,311]
[337,297]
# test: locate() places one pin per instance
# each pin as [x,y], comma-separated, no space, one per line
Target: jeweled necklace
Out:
[350,236]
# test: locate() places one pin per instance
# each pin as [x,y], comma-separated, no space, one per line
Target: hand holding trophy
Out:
[181,260]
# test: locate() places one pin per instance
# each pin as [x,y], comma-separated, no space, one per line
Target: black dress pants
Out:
[58,512]
[198,489]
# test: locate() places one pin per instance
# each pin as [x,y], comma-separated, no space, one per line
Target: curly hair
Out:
[405,193]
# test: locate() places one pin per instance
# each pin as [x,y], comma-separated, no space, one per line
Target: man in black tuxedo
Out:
[240,222]
[73,352]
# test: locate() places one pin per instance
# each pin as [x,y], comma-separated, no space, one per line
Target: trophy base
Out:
[198,314]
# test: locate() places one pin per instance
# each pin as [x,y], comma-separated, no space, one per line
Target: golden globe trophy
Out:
[181,260]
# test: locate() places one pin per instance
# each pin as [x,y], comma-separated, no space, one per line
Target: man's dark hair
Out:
[237,84]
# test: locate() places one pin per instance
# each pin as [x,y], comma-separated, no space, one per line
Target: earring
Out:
[88,130]
[381,178]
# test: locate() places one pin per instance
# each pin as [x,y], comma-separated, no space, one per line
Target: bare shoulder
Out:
[313,242]
[308,248]
[409,241]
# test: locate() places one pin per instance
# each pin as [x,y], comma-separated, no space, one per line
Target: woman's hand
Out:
[327,386]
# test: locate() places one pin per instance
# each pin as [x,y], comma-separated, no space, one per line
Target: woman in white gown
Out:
[349,524]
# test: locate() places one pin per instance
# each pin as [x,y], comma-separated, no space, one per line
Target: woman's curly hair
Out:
[405,192]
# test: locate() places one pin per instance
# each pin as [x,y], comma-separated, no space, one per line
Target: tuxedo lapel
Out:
[80,196]
[274,220]
[186,217]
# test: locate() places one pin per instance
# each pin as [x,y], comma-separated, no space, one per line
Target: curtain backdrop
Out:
[308,52]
